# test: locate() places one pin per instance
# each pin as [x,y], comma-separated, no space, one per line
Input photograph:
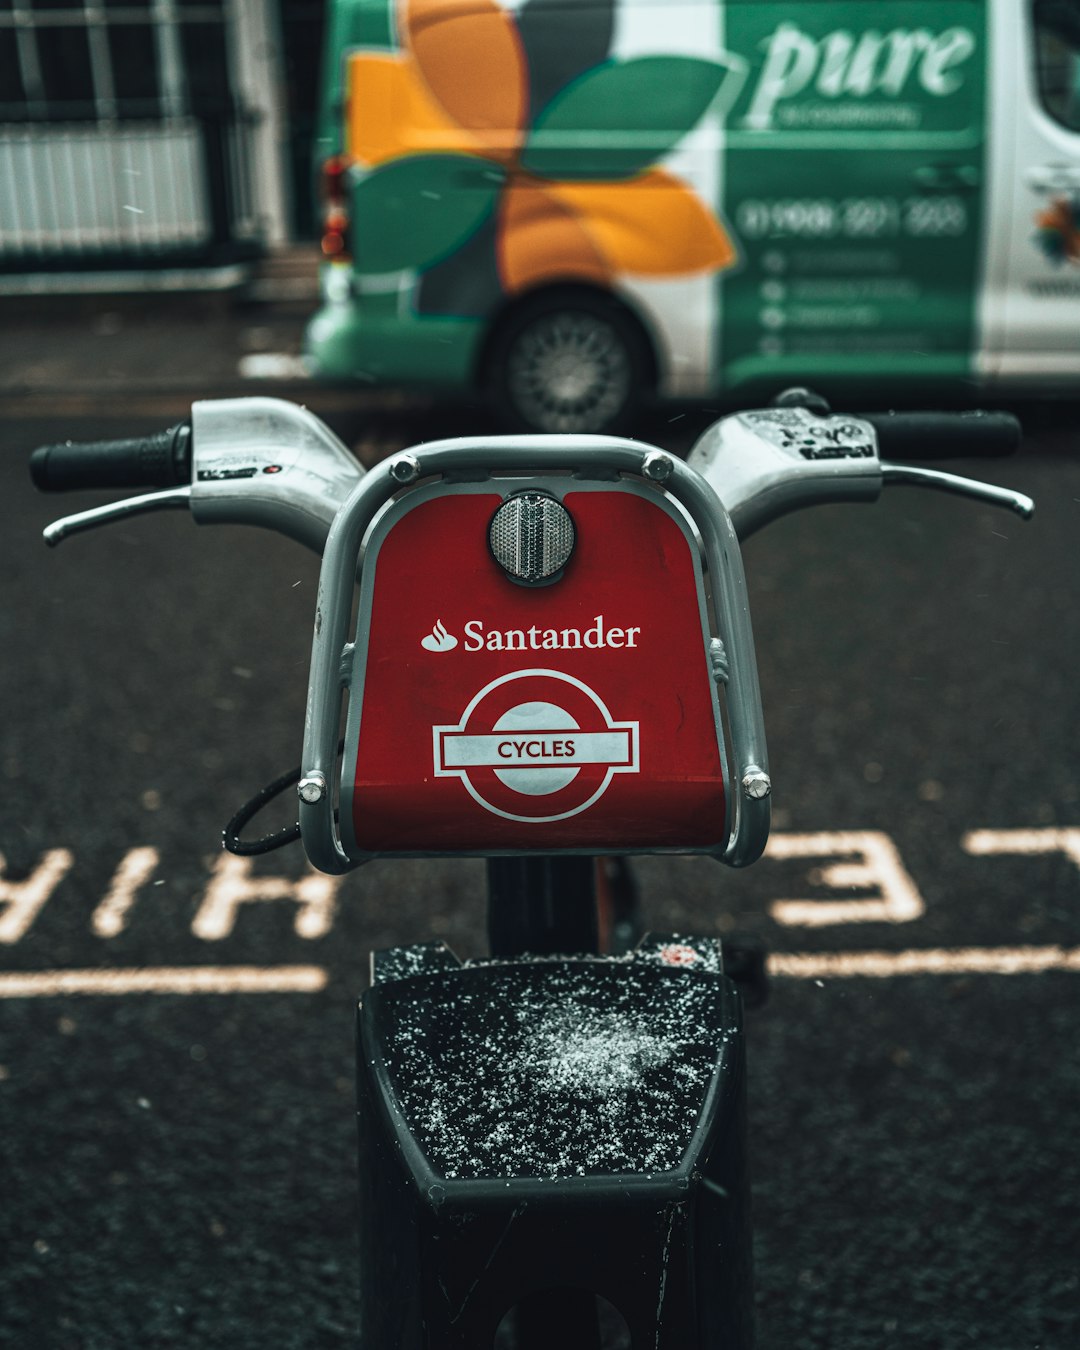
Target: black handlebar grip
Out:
[162,459]
[944,435]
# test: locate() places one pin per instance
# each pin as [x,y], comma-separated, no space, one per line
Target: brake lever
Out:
[963,487]
[174,499]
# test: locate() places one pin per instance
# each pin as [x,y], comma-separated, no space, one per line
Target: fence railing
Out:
[81,193]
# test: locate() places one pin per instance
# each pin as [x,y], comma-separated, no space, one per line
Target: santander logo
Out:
[439,640]
[480,638]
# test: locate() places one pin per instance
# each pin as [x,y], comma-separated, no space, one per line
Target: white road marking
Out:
[988,843]
[924,961]
[135,870]
[232,884]
[165,980]
[876,866]
[20,901]
[272,366]
[312,979]
[870,861]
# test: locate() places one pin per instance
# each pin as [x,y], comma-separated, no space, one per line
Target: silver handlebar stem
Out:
[766,463]
[264,461]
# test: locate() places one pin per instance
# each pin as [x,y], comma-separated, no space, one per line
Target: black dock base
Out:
[545,1142]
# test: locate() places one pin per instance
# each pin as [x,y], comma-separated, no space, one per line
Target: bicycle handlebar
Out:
[265,462]
[161,459]
[948,435]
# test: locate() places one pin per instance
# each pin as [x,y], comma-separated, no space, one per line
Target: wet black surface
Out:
[177,1170]
[534,1070]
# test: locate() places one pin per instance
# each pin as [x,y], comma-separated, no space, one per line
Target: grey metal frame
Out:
[590,457]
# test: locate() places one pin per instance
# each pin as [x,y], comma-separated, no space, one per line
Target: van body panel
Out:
[350,24]
[1003,109]
[681,309]
[374,336]
[854,166]
[1040,206]
[778,190]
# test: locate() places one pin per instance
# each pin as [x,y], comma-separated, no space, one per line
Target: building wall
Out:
[144,133]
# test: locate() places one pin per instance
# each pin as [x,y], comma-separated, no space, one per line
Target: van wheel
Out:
[569,363]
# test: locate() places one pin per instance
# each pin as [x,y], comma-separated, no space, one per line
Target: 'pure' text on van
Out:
[872,63]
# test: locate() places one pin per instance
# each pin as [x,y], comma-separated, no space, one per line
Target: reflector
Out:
[532,537]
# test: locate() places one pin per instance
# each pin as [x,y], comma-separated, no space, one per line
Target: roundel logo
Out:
[536,746]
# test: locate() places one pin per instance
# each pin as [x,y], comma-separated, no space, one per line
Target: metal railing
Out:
[82,193]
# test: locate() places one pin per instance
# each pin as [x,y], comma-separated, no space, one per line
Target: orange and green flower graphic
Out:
[1059,230]
[491,155]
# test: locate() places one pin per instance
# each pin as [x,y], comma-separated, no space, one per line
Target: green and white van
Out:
[571,203]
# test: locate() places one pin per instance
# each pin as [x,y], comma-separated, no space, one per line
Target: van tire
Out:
[568,361]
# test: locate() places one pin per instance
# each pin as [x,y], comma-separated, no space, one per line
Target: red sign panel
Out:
[579,714]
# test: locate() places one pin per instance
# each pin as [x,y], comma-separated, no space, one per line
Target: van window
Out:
[1057,59]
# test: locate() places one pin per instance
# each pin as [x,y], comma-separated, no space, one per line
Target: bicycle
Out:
[552,1139]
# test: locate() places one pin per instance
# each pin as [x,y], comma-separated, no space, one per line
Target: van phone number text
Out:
[853,218]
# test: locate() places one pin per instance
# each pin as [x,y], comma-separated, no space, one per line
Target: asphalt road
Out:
[177,1163]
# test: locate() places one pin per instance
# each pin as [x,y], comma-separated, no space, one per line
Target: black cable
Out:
[248,848]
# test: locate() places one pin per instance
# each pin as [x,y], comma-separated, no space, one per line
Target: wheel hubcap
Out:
[569,372]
